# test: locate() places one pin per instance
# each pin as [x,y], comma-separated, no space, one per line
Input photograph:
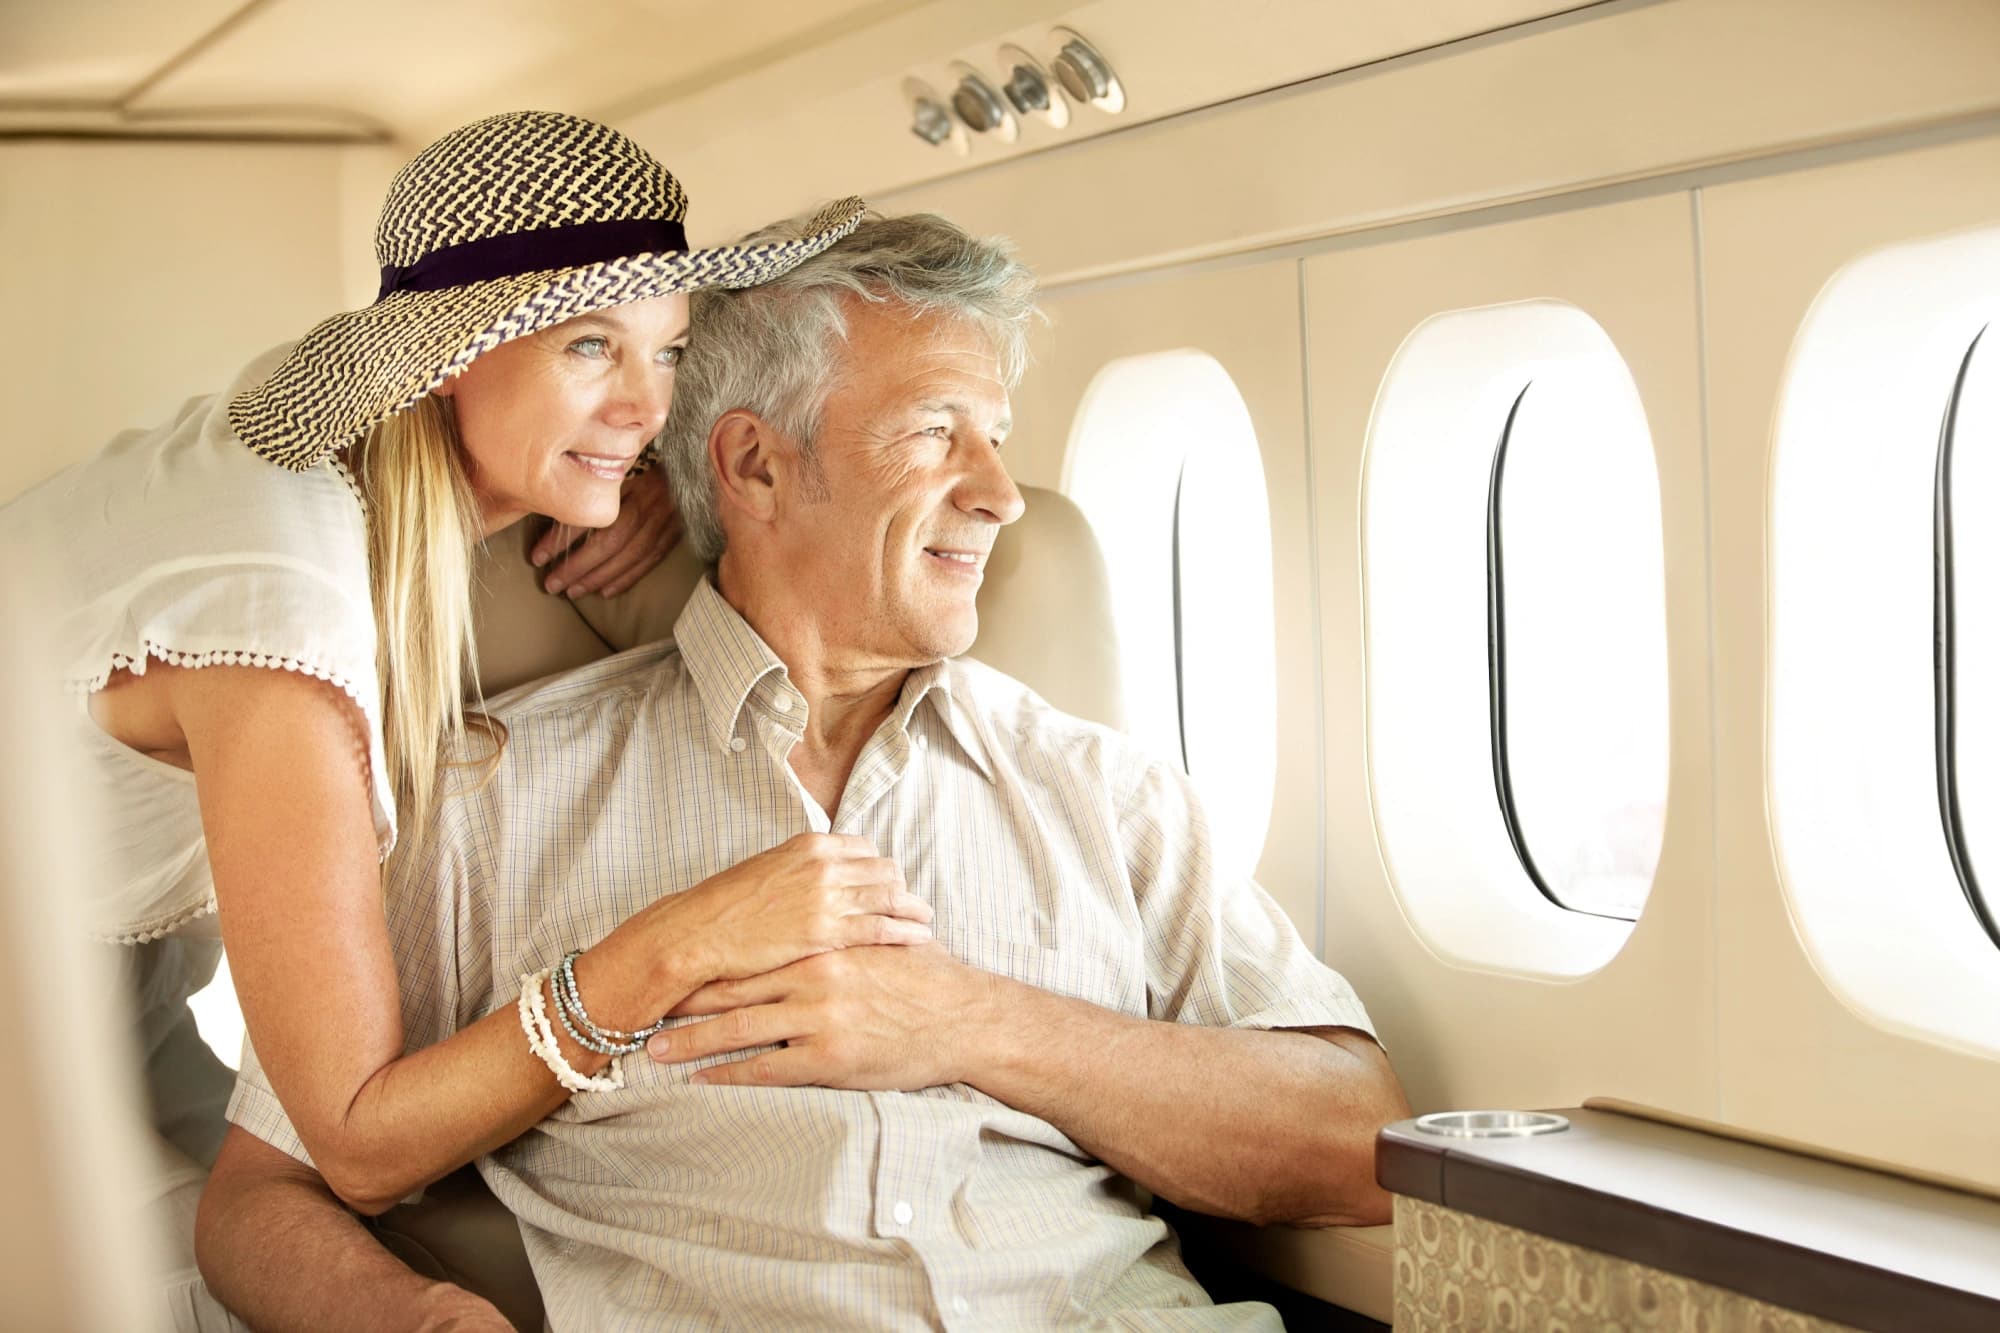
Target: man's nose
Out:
[989,491]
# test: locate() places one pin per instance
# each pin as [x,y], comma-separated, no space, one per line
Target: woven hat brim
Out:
[359,368]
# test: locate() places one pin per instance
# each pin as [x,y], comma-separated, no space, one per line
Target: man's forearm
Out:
[1264,1126]
[1267,1126]
[279,1250]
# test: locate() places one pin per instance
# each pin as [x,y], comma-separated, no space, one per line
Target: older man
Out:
[882,1137]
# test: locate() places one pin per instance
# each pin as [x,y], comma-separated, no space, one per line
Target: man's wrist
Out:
[1007,1023]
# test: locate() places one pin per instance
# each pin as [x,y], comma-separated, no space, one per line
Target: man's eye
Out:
[589,346]
[938,432]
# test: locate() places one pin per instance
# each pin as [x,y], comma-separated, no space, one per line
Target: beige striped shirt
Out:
[1050,850]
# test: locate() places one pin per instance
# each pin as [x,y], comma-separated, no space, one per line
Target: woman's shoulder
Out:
[188,487]
[181,545]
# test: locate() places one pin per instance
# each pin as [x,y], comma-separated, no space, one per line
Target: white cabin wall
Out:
[1564,159]
[1617,92]
[142,274]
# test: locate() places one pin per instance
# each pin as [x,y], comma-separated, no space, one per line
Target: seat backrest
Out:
[1044,612]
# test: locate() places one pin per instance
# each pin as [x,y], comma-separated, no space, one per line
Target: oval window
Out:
[1163,460]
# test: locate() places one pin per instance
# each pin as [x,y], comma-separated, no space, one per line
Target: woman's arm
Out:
[280,762]
[278,1249]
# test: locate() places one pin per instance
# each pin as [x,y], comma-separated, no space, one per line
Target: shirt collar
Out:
[724,656]
[949,699]
[727,660]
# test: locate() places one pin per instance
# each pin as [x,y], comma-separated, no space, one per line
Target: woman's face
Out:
[551,422]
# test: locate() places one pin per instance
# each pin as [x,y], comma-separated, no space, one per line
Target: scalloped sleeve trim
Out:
[360,692]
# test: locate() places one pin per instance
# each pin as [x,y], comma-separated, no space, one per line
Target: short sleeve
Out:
[180,546]
[1219,951]
[259,610]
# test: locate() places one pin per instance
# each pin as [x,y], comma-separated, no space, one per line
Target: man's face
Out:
[892,541]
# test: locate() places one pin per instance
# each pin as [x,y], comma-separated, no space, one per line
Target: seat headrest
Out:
[1044,612]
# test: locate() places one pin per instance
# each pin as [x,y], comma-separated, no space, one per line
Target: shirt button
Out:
[782,702]
[737,743]
[923,742]
[902,1212]
[959,1305]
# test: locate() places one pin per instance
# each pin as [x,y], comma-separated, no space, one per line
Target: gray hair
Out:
[771,349]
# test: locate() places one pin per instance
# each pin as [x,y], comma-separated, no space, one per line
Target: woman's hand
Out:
[610,560]
[808,895]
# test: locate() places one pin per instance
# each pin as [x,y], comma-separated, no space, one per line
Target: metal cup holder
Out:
[1491,1124]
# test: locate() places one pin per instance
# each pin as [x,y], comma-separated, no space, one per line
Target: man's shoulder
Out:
[1014,717]
[610,685]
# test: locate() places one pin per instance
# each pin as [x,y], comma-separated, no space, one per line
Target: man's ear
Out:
[741,448]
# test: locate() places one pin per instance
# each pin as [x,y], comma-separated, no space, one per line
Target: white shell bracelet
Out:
[542,1041]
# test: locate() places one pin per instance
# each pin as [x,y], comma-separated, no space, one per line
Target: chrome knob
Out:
[1027,90]
[929,121]
[1083,73]
[978,105]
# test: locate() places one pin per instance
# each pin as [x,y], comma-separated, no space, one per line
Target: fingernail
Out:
[541,558]
[658,1048]
[575,593]
[554,586]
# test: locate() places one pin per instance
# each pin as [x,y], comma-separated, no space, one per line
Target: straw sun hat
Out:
[497,230]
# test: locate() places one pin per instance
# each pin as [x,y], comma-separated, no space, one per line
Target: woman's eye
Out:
[589,346]
[671,356]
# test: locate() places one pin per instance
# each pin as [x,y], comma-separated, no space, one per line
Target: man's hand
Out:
[612,559]
[866,1018]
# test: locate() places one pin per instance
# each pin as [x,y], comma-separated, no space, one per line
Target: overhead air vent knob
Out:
[929,121]
[1084,74]
[1027,89]
[978,105]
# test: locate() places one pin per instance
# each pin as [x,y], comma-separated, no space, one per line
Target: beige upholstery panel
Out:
[522,632]
[460,1233]
[1456,1271]
[1044,612]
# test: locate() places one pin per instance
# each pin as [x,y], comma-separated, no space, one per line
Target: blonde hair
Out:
[423,521]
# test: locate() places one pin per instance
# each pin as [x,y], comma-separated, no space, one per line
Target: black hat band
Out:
[515,253]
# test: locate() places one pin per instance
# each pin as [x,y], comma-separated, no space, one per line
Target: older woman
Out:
[266,615]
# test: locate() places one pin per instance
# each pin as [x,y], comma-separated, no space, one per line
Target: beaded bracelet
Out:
[542,1041]
[569,1008]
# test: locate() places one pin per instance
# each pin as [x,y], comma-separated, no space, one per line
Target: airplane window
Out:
[1885,635]
[1966,616]
[1163,460]
[1516,637]
[1577,663]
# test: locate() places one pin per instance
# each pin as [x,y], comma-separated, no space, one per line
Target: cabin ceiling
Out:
[381,70]
[763,107]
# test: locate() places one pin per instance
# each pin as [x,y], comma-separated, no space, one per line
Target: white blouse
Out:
[179,544]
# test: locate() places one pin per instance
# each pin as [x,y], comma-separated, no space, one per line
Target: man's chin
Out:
[949,637]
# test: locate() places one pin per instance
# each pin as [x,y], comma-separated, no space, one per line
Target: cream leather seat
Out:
[1044,618]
